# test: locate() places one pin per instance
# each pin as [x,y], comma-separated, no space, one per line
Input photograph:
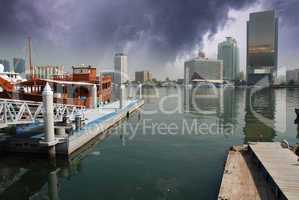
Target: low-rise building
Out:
[142,76]
[108,73]
[84,73]
[48,71]
[292,76]
[202,68]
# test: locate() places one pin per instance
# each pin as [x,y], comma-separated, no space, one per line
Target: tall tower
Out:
[30,73]
[120,68]
[228,52]
[262,47]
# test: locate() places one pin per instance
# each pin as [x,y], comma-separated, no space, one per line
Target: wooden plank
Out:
[281,164]
[241,180]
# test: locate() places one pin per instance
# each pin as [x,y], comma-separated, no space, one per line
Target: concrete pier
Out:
[262,170]
[95,125]
[241,180]
[65,143]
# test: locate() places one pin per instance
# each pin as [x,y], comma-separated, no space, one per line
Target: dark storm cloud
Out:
[21,18]
[286,10]
[162,28]
[167,26]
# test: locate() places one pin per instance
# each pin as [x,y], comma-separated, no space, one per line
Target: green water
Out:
[137,161]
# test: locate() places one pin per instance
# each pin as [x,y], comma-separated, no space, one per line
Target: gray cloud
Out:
[287,11]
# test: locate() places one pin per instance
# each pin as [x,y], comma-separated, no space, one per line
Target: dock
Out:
[280,167]
[97,121]
[262,170]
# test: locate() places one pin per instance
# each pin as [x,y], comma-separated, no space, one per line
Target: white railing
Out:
[25,112]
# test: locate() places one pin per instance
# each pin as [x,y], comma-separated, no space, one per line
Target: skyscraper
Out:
[6,65]
[120,68]
[262,45]
[19,65]
[228,52]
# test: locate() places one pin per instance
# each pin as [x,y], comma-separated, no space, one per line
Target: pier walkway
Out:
[242,180]
[99,120]
[14,112]
[261,170]
[96,122]
[281,168]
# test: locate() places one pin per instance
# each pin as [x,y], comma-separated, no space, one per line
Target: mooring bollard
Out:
[78,122]
[94,96]
[122,94]
[140,91]
[49,119]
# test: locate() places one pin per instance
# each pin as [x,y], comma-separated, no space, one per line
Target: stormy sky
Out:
[156,34]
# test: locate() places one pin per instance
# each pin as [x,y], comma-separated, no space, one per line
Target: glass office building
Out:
[262,42]
[228,52]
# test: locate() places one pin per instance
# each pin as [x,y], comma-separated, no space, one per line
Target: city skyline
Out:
[150,37]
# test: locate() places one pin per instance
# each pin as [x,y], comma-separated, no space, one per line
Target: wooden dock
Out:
[241,180]
[281,167]
[262,170]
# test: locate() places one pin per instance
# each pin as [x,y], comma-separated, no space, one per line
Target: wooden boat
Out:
[74,89]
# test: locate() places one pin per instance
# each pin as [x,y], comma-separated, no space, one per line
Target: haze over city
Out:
[157,35]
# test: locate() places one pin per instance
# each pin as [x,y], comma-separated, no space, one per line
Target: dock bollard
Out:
[140,91]
[49,119]
[94,96]
[77,122]
[122,95]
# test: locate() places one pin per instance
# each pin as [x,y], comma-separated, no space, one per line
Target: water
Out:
[173,160]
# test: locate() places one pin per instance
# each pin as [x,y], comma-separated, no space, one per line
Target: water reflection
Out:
[227,106]
[220,102]
[212,105]
[259,105]
[36,178]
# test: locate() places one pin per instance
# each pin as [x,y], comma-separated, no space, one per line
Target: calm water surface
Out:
[174,160]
